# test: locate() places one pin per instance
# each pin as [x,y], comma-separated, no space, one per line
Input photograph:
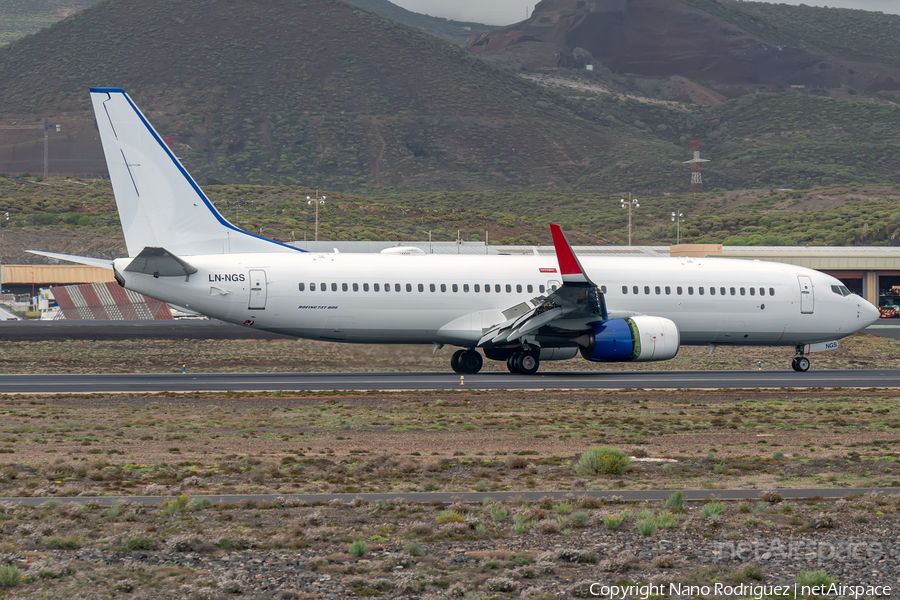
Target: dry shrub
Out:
[621,563]
[516,462]
[548,526]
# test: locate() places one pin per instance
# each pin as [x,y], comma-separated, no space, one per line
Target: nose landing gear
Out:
[800,363]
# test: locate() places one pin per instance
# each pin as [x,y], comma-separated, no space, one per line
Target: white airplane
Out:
[521,309]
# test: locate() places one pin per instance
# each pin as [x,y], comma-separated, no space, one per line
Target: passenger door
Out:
[257,289]
[807,295]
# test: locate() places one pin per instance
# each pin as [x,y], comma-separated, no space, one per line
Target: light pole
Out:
[629,203]
[317,201]
[430,249]
[676,218]
[5,219]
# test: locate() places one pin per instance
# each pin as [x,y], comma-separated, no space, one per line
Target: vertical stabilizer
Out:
[159,204]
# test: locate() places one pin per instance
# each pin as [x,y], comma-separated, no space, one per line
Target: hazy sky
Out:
[504,12]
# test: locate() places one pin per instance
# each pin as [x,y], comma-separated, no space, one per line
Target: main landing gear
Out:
[466,362]
[526,363]
[800,363]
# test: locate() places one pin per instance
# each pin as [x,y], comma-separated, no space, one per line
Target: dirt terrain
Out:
[184,446]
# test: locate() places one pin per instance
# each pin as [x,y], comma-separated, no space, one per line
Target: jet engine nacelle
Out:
[638,339]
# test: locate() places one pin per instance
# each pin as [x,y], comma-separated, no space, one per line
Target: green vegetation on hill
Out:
[852,216]
[18,18]
[457,32]
[782,140]
[850,33]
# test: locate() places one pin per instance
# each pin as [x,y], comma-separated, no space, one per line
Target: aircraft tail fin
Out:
[160,205]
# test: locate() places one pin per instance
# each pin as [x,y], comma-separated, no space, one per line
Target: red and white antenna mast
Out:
[696,177]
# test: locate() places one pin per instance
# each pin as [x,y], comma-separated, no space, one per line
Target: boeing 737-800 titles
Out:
[519,309]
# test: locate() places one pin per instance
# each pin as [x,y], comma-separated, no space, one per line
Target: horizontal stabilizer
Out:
[103,263]
[160,263]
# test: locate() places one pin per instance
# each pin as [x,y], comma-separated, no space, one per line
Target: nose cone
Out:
[867,313]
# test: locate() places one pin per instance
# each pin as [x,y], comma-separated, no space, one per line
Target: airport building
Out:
[872,271]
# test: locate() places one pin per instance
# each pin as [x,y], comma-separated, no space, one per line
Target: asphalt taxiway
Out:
[608,380]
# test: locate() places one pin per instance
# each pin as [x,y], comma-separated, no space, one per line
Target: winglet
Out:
[569,267]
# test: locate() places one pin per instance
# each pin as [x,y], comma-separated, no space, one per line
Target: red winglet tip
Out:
[568,265]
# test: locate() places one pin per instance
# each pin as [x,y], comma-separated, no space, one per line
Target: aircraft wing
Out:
[103,263]
[578,302]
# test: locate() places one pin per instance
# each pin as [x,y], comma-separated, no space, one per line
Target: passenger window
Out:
[509,288]
[732,291]
[355,287]
[466,288]
[487,288]
[603,288]
[701,290]
[397,287]
[624,289]
[344,287]
[443,287]
[421,288]
[312,287]
[678,290]
[772,292]
[743,292]
[431,287]
[366,287]
[658,290]
[541,288]
[646,289]
[324,287]
[554,287]
[712,291]
[690,291]
[333,287]
[752,291]
[518,288]
[409,287]
[376,287]
[302,286]
[635,289]
[722,291]
[530,288]
[497,288]
[455,288]
[762,291]
[476,288]
[668,291]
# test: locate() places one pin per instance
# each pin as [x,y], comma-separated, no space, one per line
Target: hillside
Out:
[363,104]
[19,18]
[447,29]
[856,34]
[721,41]
[357,101]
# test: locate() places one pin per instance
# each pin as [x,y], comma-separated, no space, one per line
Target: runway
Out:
[608,380]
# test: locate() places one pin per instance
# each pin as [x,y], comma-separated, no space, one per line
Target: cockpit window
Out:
[840,290]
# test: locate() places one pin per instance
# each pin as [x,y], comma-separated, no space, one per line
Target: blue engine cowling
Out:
[638,339]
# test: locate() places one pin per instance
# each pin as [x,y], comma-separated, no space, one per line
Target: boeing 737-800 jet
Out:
[519,309]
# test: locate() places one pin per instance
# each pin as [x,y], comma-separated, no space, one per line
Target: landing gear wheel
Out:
[511,363]
[794,363]
[527,363]
[454,361]
[801,364]
[470,362]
